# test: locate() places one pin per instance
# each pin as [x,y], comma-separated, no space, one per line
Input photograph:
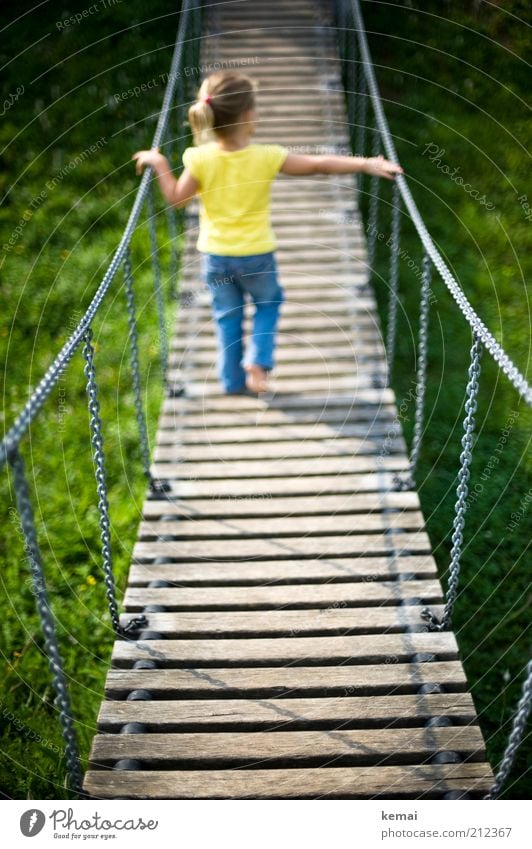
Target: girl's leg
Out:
[258,277]
[227,302]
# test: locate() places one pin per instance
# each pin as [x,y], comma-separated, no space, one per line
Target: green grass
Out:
[432,97]
[48,279]
[52,271]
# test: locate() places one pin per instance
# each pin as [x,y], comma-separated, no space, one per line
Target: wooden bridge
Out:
[283,575]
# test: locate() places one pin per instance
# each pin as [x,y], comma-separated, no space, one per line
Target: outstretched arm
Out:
[299,165]
[177,192]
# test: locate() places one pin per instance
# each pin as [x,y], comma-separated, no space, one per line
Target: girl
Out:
[232,177]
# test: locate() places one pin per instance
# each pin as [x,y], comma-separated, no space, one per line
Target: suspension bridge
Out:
[284,632]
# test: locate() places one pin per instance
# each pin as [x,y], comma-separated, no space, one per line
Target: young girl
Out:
[232,177]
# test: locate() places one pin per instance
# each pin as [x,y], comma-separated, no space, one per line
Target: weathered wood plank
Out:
[204,382]
[284,355]
[246,714]
[258,682]
[266,487]
[337,620]
[299,505]
[362,648]
[308,337]
[365,569]
[349,385]
[283,449]
[371,746]
[365,402]
[349,545]
[280,526]
[284,372]
[224,428]
[390,782]
[313,278]
[285,467]
[290,595]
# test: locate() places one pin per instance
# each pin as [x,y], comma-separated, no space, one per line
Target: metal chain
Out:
[362,96]
[516,736]
[135,365]
[436,624]
[488,340]
[173,267]
[101,489]
[159,300]
[408,481]
[349,64]
[394,279]
[51,646]
[171,218]
[373,206]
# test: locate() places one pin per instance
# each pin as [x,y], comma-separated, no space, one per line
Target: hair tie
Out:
[207,99]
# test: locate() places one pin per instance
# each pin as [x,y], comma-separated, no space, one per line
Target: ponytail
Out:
[221,100]
[201,119]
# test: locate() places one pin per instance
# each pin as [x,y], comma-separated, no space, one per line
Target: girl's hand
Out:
[147,157]
[378,166]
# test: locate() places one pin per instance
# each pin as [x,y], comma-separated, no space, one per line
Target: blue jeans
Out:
[230,279]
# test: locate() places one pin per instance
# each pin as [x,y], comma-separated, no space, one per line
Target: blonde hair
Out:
[221,100]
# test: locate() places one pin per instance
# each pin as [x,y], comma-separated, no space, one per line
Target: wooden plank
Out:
[197,301]
[271,714]
[287,623]
[312,337]
[362,648]
[221,452]
[209,414]
[258,682]
[226,429]
[283,375]
[347,281]
[199,384]
[289,355]
[285,571]
[281,468]
[383,399]
[349,545]
[371,746]
[298,298]
[317,504]
[390,782]
[292,327]
[307,571]
[360,593]
[270,487]
[280,526]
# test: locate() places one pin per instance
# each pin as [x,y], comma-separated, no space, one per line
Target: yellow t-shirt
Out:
[234,190]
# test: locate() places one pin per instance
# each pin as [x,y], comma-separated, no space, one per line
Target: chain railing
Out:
[360,84]
[177,91]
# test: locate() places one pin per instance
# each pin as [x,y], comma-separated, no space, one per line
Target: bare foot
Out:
[257,379]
